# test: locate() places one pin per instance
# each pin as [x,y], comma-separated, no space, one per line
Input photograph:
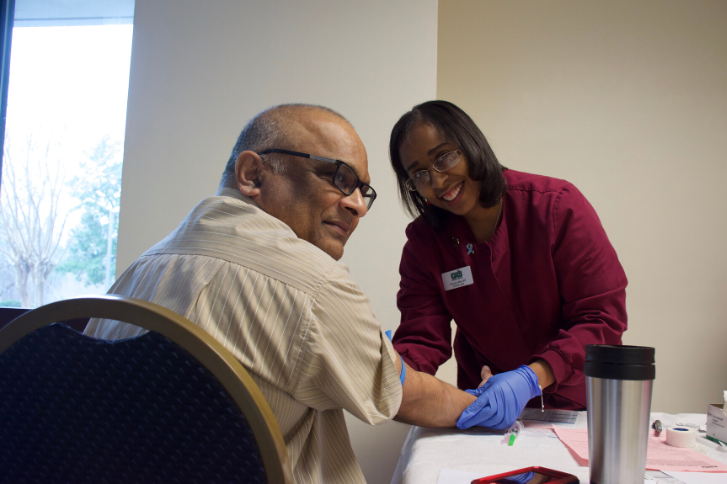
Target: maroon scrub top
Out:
[547,284]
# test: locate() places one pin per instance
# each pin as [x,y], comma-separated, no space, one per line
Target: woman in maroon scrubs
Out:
[519,261]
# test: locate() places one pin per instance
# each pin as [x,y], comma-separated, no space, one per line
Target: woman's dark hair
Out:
[458,128]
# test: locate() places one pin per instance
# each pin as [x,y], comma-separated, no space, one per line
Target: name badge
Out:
[457,278]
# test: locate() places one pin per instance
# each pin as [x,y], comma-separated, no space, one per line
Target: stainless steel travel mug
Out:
[618,390]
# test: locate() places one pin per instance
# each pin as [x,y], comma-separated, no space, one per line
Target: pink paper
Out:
[659,455]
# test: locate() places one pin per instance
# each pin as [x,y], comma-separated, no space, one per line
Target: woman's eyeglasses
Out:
[423,179]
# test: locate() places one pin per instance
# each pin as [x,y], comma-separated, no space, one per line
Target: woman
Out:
[519,261]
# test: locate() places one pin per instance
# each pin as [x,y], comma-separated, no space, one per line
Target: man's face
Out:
[303,196]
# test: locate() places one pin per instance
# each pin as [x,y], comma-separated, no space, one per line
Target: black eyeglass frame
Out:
[338,164]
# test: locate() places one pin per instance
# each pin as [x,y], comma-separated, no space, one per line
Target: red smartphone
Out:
[529,475]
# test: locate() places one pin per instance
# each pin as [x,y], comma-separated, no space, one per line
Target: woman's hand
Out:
[486,373]
[541,368]
[501,399]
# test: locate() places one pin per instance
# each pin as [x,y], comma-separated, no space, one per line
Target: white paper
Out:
[535,417]
[699,477]
[659,477]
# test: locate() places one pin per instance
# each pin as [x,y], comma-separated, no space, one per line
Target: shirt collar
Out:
[236,194]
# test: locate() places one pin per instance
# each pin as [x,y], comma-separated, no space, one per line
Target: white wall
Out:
[201,70]
[628,100]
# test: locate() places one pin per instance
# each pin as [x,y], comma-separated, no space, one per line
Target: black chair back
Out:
[76,409]
[9,314]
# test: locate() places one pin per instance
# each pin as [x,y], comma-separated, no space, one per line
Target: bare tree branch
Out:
[31,215]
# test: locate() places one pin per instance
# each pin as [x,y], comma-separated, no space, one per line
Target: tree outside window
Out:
[63,151]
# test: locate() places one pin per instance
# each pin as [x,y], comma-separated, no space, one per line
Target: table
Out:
[428,451]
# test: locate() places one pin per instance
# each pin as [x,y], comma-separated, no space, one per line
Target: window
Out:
[63,148]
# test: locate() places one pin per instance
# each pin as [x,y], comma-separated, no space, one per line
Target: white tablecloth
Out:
[427,451]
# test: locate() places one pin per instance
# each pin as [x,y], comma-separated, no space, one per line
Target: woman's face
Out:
[452,190]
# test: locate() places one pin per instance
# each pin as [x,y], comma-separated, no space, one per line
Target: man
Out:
[256,267]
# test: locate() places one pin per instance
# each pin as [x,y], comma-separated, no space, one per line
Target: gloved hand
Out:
[501,400]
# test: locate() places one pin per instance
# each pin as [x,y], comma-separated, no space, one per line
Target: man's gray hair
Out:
[266,130]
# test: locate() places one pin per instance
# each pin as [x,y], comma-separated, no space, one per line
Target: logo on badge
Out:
[456,275]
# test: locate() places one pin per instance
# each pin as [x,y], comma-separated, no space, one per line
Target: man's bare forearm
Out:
[430,402]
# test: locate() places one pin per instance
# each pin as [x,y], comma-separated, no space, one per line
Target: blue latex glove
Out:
[520,478]
[501,400]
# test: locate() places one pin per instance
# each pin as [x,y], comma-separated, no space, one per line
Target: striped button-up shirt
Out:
[288,312]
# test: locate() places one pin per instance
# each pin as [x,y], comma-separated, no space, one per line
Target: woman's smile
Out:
[451,194]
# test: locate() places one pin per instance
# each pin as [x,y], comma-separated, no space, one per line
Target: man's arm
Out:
[429,402]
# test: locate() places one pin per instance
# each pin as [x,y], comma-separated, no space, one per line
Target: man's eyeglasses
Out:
[345,179]
[422,178]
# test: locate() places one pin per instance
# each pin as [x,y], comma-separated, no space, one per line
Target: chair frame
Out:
[200,344]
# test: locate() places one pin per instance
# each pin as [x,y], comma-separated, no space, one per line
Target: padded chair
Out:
[9,314]
[171,406]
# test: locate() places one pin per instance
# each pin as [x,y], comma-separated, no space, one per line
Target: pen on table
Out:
[712,439]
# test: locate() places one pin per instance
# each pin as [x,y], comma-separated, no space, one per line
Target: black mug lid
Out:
[620,354]
[620,362]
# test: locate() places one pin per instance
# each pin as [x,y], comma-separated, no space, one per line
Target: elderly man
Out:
[256,267]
